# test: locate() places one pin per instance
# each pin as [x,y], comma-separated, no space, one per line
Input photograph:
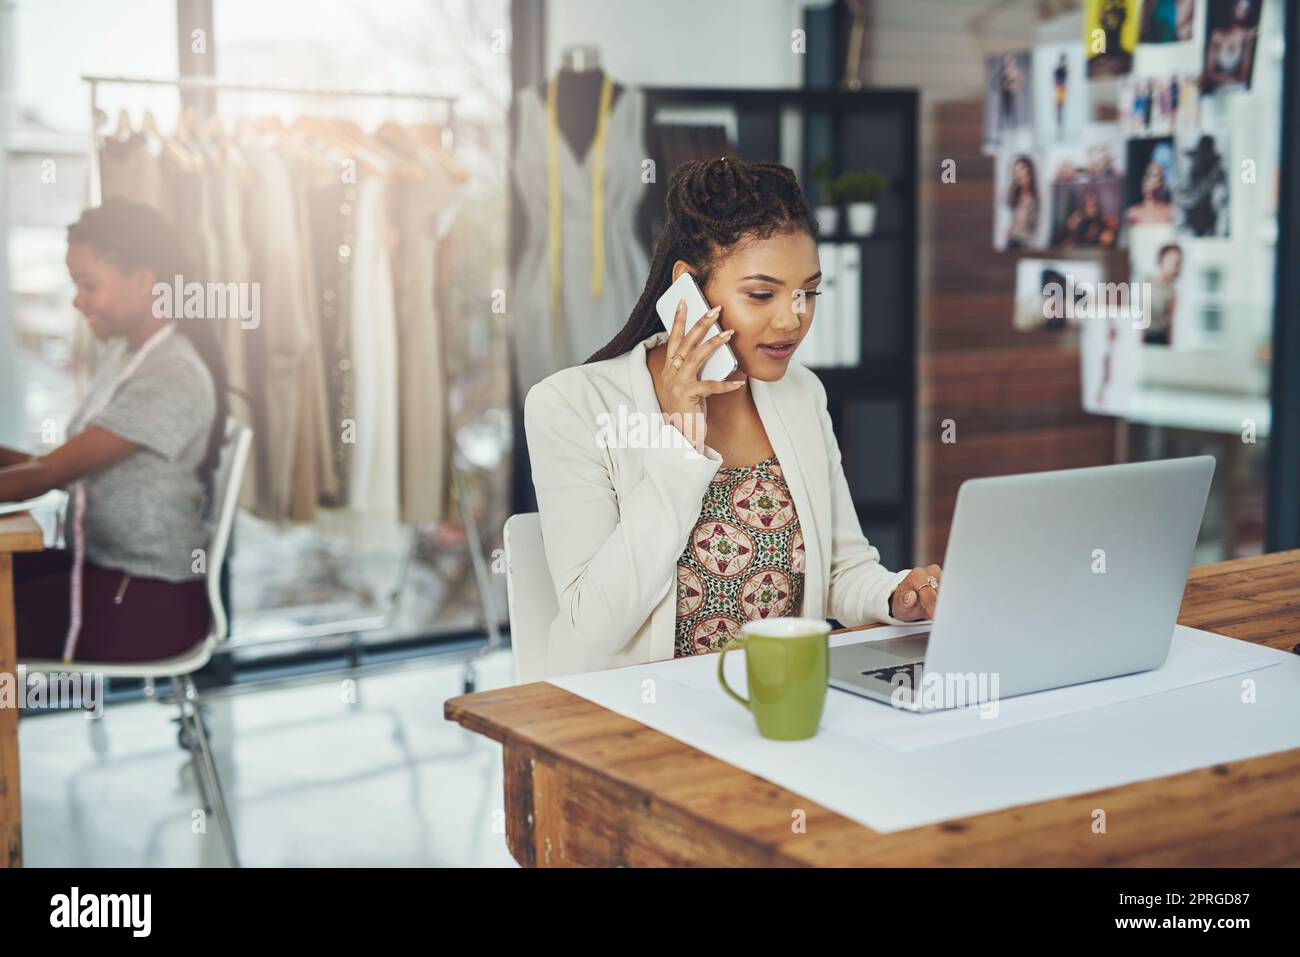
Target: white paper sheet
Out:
[1194,657]
[885,769]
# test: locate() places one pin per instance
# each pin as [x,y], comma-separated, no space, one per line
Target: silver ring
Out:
[933,583]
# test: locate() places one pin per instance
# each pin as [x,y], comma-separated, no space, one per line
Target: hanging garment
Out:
[184,208]
[277,350]
[314,477]
[234,182]
[419,211]
[129,168]
[213,211]
[331,208]
[238,343]
[373,480]
[213,222]
[582,268]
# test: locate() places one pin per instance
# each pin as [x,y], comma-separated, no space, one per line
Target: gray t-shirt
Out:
[145,514]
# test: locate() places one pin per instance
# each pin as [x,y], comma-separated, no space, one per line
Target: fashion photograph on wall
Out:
[1110,36]
[1159,106]
[1159,265]
[1149,181]
[1054,294]
[1087,190]
[1110,362]
[1202,186]
[1060,93]
[1020,216]
[1009,101]
[1167,21]
[1231,43]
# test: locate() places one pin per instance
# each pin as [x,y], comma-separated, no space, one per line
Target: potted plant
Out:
[859,190]
[826,211]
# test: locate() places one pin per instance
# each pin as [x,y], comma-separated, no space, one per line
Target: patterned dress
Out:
[744,560]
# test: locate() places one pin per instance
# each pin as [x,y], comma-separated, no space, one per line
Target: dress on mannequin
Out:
[565,309]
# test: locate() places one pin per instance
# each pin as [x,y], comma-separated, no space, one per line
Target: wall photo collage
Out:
[1119,141]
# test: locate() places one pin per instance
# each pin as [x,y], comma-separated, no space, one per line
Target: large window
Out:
[284,576]
[47,140]
[307,574]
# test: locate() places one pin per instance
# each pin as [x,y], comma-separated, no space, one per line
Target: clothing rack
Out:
[200,83]
[354,626]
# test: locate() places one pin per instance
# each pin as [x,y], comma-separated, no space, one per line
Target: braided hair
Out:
[133,235]
[712,206]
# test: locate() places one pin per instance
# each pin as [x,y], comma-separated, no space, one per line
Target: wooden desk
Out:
[18,533]
[587,786]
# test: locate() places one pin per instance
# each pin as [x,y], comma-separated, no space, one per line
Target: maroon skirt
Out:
[123,618]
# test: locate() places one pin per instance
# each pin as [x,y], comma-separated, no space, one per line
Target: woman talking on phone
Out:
[660,549]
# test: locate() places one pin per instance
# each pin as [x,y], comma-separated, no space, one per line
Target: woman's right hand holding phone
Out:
[684,394]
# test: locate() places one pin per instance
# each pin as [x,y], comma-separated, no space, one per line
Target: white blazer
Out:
[615,518]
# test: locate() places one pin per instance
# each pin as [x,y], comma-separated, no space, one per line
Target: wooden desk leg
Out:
[522,826]
[11,822]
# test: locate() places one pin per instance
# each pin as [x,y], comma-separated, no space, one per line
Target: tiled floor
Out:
[311,779]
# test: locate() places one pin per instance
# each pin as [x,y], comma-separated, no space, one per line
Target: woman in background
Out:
[143,446]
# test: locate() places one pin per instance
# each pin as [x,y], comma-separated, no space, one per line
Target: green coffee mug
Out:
[788,664]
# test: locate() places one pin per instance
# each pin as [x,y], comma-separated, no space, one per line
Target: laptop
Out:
[1050,579]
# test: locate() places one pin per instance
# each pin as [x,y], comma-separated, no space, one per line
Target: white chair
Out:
[179,669]
[530,594]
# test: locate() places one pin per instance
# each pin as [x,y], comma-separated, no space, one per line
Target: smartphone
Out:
[723,362]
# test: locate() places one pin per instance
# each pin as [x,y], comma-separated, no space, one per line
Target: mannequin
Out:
[577,95]
[579,136]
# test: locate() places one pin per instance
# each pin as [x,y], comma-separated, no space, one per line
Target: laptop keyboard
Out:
[887,674]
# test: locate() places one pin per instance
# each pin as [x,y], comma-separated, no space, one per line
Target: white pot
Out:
[862,218]
[828,220]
